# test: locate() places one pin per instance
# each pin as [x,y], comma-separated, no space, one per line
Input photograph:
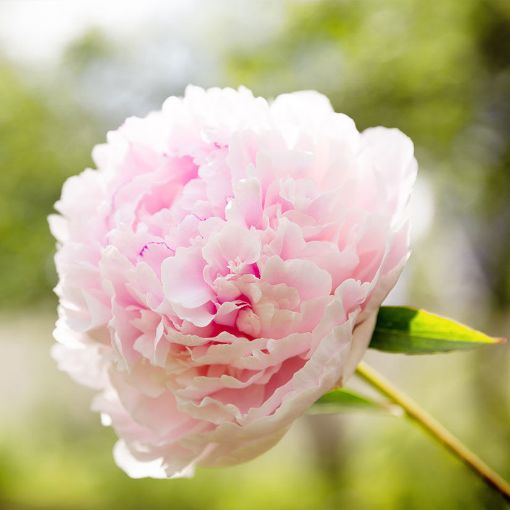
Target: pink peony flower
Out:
[222,269]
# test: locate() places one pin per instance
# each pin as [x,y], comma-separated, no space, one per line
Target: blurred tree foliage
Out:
[406,63]
[41,143]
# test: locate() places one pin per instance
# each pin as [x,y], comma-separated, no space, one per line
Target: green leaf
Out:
[343,399]
[412,331]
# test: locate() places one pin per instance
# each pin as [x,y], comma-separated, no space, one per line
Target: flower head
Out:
[222,269]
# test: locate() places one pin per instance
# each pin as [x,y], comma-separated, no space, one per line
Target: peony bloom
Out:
[222,269]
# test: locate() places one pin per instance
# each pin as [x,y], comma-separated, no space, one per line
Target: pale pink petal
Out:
[223,269]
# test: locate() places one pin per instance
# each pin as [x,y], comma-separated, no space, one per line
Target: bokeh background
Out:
[440,71]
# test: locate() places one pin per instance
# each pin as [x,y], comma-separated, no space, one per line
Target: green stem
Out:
[434,428]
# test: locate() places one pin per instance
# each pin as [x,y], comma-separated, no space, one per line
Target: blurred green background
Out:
[440,71]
